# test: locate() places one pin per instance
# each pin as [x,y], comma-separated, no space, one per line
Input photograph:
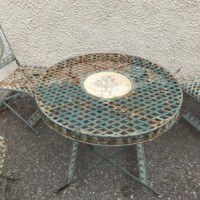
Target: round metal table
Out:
[148,109]
[108,99]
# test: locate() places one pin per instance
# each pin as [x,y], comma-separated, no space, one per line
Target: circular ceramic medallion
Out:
[107,85]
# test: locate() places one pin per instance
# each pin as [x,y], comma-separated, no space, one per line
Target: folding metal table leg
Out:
[70,175]
[70,172]
[142,163]
[71,178]
[107,158]
[126,172]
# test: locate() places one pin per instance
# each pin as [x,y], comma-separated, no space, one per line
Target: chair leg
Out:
[3,187]
[4,180]
[8,99]
[9,178]
[30,122]
[192,120]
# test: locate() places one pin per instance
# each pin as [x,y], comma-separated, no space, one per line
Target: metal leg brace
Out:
[31,121]
[142,166]
[8,99]
[190,118]
[4,182]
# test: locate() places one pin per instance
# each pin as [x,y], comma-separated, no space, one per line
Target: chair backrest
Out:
[6,53]
[192,87]
[1,48]
[3,146]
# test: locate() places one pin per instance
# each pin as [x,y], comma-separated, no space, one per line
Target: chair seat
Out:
[193,88]
[22,79]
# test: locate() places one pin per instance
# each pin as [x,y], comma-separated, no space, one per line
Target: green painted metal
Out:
[20,80]
[20,117]
[108,159]
[6,54]
[142,163]
[150,109]
[193,89]
[1,48]
[3,148]
[3,183]
[70,174]
[192,120]
[8,99]
[34,118]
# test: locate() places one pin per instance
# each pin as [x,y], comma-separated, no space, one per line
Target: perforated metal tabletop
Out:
[108,99]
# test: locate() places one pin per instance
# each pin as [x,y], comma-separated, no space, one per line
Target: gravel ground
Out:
[40,163]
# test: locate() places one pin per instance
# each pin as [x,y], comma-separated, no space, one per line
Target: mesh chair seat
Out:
[22,79]
[193,88]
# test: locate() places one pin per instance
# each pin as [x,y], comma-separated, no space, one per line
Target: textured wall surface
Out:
[45,32]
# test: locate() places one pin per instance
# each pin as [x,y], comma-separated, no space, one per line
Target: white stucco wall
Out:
[43,32]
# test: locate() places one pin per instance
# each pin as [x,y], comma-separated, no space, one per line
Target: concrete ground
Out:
[40,163]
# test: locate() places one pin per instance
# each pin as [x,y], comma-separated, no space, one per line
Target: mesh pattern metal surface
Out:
[193,88]
[3,146]
[144,113]
[22,79]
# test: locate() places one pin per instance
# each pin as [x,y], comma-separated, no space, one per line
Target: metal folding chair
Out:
[3,179]
[193,89]
[22,80]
